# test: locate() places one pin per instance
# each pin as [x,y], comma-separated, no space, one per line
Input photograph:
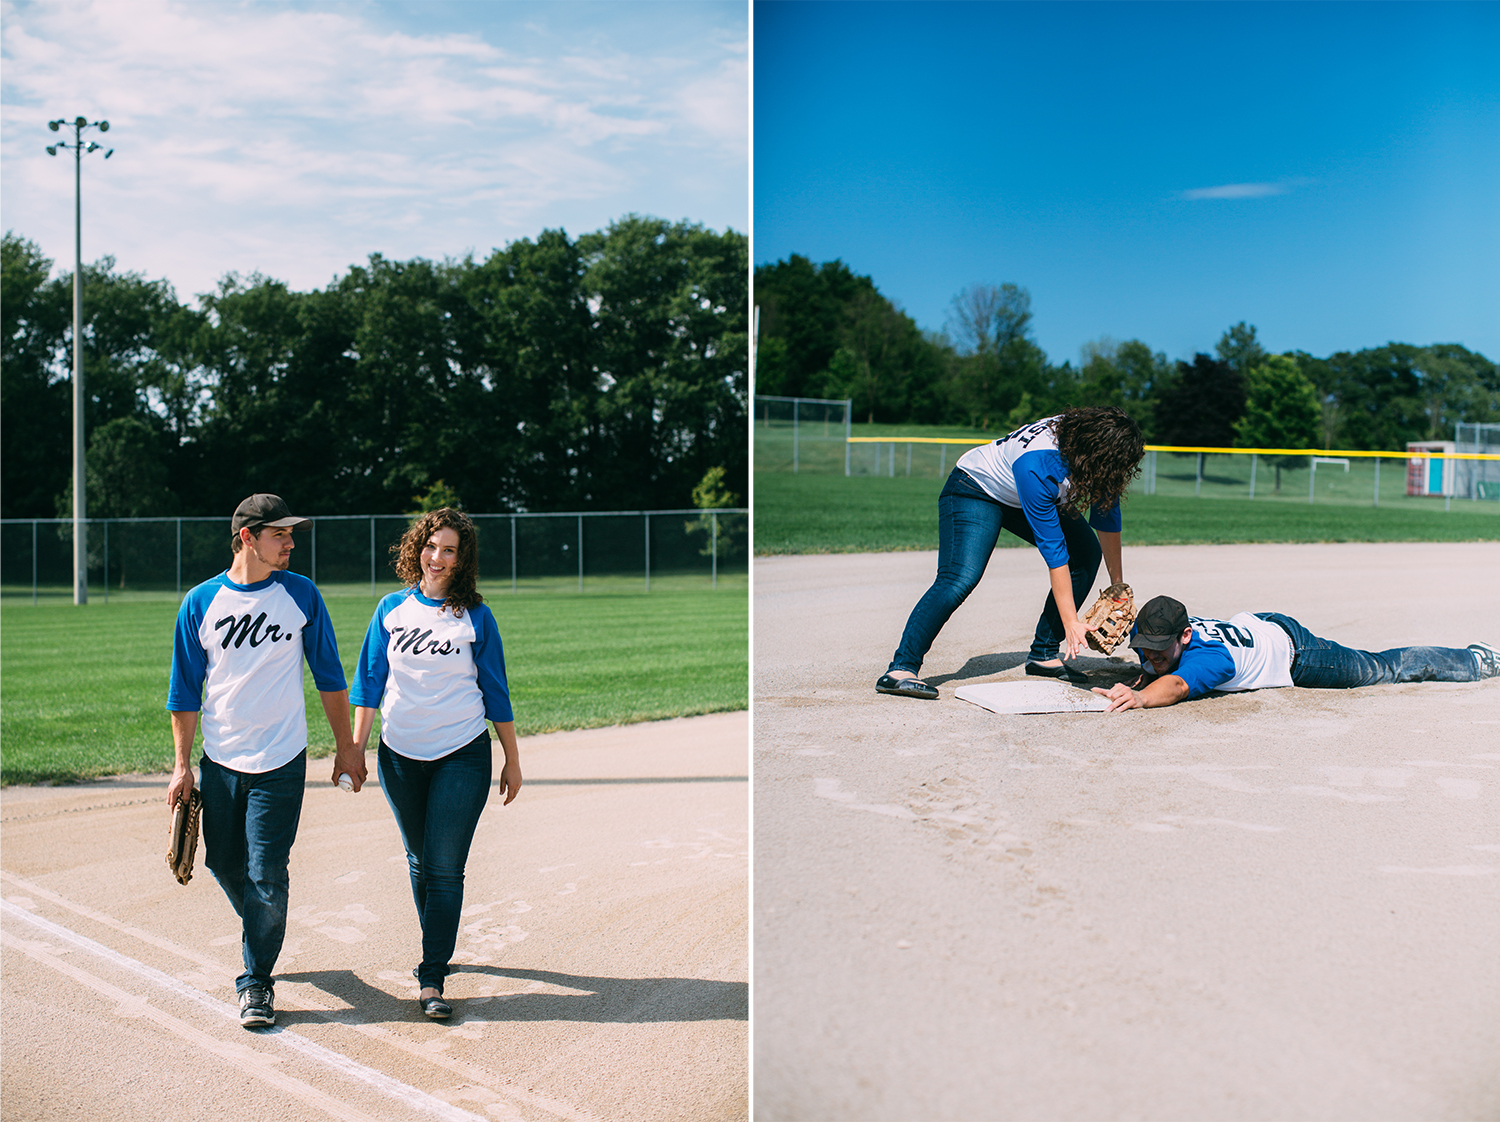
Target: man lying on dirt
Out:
[1186,657]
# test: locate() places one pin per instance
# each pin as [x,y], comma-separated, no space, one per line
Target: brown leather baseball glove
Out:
[1110,618]
[182,839]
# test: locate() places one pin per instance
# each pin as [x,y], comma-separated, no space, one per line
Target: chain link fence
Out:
[799,434]
[349,554]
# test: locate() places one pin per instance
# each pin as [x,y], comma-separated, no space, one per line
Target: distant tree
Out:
[1281,411]
[1127,375]
[36,431]
[1239,349]
[1202,405]
[436,497]
[711,494]
[126,475]
[804,307]
[873,332]
[998,364]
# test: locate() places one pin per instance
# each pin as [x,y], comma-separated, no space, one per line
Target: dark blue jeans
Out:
[969,525]
[437,805]
[1321,664]
[248,827]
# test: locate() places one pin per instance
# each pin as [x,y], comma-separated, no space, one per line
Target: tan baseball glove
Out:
[1110,618]
[182,840]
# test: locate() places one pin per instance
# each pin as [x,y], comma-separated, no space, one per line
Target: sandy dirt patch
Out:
[602,969]
[1283,904]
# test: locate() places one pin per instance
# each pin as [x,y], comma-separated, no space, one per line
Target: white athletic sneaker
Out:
[1489,659]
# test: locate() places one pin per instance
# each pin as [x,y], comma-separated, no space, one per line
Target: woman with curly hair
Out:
[433,663]
[1035,482]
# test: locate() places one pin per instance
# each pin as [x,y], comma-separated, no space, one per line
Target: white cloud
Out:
[295,141]
[1237,191]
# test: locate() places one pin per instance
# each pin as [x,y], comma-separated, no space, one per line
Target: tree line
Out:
[827,332]
[606,372]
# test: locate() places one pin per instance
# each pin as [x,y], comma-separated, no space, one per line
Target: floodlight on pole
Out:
[80,508]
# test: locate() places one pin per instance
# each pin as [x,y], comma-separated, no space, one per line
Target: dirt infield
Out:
[602,970]
[1283,904]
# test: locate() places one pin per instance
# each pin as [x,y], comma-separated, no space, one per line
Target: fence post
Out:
[714,544]
[1198,486]
[1253,459]
[513,552]
[908,459]
[580,553]
[796,432]
[648,551]
[315,552]
[372,556]
[893,459]
[179,558]
[33,562]
[106,560]
[848,429]
[1312,476]
[943,463]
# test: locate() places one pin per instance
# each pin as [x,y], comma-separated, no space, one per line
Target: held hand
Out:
[180,787]
[349,760]
[1120,697]
[510,782]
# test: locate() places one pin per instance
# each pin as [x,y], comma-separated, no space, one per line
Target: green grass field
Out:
[85,687]
[825,513]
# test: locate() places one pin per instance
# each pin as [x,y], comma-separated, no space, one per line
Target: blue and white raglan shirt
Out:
[237,657]
[1243,652]
[436,677]
[1025,469]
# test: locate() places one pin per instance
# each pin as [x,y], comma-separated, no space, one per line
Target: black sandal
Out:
[906,687]
[436,1008]
[1065,672]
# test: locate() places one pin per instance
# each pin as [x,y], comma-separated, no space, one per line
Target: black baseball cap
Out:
[1160,624]
[259,511]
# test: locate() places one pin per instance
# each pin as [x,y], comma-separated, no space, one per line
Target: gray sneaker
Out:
[1489,659]
[255,1006]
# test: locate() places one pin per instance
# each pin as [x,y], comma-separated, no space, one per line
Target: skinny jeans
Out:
[1324,664]
[248,827]
[437,804]
[969,525]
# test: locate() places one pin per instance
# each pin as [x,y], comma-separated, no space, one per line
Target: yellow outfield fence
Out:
[1433,469]
[1184,449]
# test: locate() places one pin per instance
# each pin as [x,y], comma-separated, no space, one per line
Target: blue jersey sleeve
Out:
[489,663]
[189,659]
[374,665]
[1108,519]
[1038,477]
[1203,666]
[319,644]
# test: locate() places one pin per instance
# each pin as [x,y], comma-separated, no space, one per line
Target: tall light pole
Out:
[80,509]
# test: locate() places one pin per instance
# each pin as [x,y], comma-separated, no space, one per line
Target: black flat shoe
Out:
[1065,672]
[906,687]
[436,1008]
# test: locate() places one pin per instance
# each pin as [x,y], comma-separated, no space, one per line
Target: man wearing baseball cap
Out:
[1187,656]
[237,660]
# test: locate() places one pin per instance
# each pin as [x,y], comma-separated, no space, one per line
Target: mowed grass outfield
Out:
[85,688]
[833,513]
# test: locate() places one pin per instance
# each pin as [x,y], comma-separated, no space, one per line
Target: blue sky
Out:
[1327,172]
[296,139]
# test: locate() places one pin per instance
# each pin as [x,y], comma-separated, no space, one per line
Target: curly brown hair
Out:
[1104,448]
[463,585]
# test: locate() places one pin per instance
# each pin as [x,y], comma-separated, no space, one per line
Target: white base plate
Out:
[1031,697]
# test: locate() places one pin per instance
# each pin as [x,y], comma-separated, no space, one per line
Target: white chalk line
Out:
[245,1058]
[473,1072]
[110,921]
